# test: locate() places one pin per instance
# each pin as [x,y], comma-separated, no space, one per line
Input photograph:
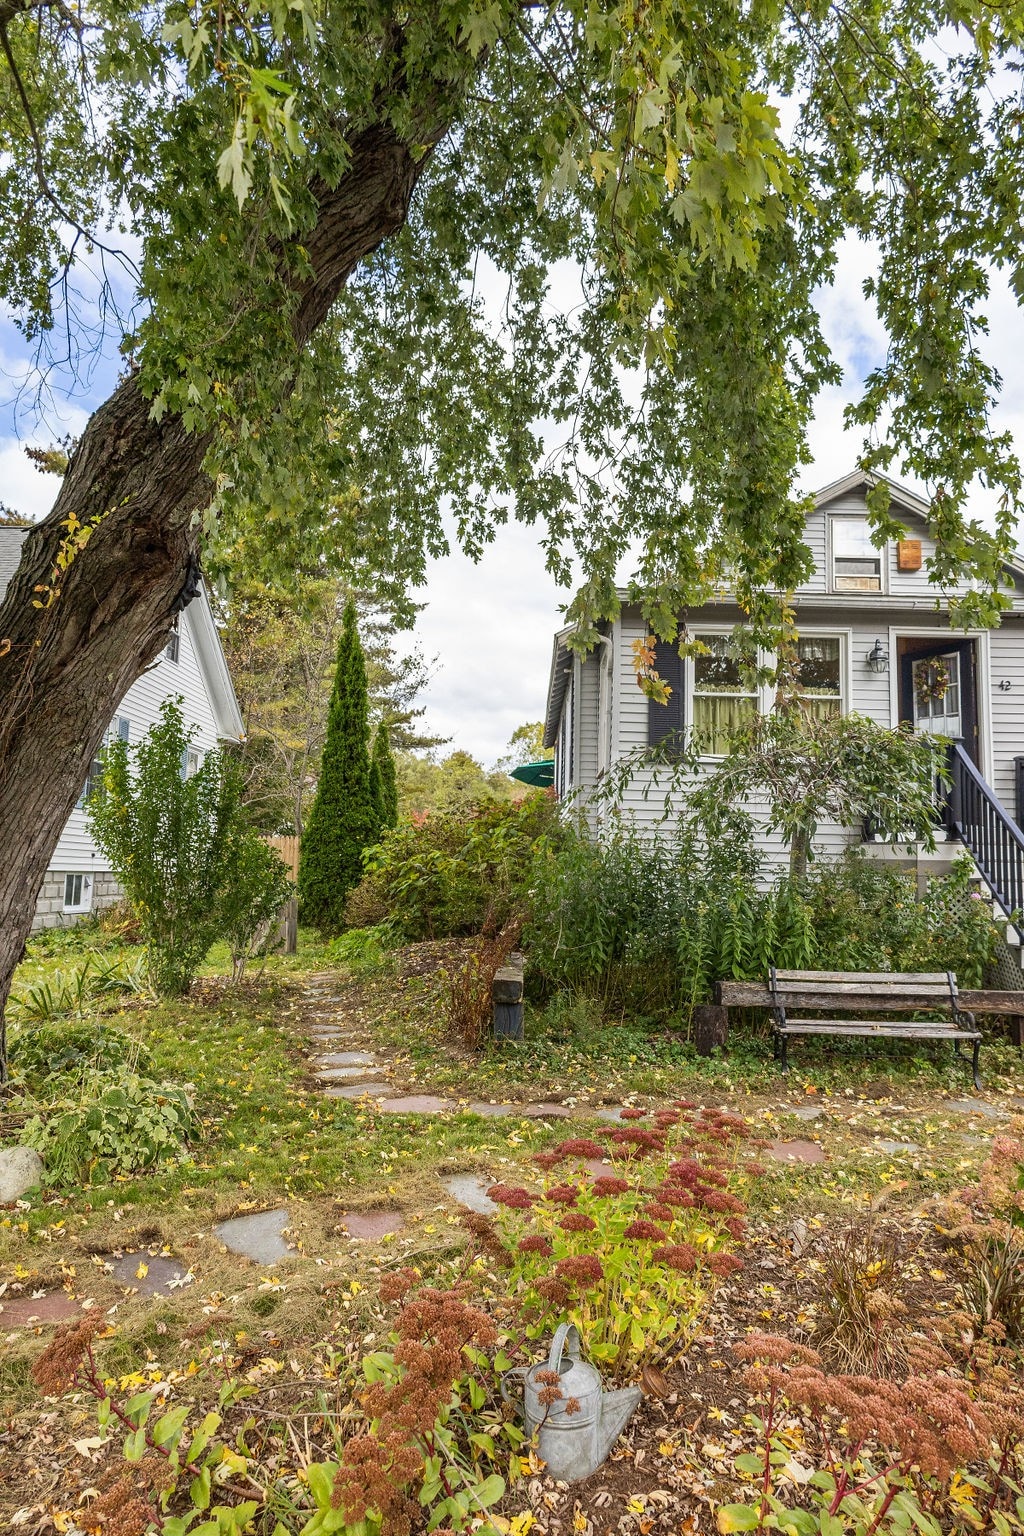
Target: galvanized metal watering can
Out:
[572,1443]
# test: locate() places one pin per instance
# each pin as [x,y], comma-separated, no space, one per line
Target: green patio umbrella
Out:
[541,775]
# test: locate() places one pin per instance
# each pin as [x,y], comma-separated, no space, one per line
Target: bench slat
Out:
[822,999]
[870,1027]
[913,976]
[756,994]
[863,989]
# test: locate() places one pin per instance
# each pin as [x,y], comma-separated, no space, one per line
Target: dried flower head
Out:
[681,1256]
[514,1197]
[536,1242]
[580,1269]
[397,1284]
[724,1264]
[577,1221]
[563,1194]
[605,1185]
[580,1147]
[58,1365]
[546,1160]
[644,1232]
[633,1114]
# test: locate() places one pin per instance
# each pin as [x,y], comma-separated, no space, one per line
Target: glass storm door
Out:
[937,694]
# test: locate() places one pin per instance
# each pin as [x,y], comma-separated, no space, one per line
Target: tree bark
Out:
[65,667]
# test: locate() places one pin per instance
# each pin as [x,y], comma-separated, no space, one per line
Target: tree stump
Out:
[710,1027]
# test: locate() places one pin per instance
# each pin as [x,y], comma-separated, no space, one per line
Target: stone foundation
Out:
[50,905]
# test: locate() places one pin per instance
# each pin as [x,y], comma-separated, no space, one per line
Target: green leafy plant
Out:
[120,1123]
[67,994]
[367,950]
[51,1049]
[451,872]
[941,1447]
[631,1257]
[255,888]
[168,835]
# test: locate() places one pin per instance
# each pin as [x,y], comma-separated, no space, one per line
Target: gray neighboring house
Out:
[79,880]
[872,641]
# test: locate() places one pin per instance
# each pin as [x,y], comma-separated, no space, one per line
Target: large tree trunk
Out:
[65,667]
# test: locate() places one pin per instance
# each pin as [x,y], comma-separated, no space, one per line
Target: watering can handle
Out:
[565,1334]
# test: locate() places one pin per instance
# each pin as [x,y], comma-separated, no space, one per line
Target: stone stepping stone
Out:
[356,1090]
[346,1074]
[795,1152]
[806,1112]
[973,1107]
[417,1104]
[162,1278]
[493,1111]
[897,1146]
[598,1168]
[258,1237]
[347,1059]
[470,1190]
[368,1225]
[546,1112]
[30,1311]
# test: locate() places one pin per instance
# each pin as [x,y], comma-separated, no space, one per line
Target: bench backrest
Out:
[855,991]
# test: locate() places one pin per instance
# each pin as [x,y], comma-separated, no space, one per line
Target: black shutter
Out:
[667,720]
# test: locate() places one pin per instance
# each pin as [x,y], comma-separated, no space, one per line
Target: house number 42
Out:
[1005,685]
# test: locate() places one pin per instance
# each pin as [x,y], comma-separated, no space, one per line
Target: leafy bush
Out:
[47,1050]
[122,1123]
[363,949]
[453,872]
[191,870]
[256,887]
[652,922]
[630,1258]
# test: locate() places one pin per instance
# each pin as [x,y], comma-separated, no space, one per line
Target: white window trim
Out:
[830,572]
[85,904]
[764,696]
[845,638]
[761,695]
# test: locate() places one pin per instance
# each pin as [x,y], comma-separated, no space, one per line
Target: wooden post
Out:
[710,1027]
[507,999]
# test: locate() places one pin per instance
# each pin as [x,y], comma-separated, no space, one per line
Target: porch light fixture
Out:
[877,658]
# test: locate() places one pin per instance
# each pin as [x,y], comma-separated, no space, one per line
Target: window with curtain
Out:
[856,563]
[722,700]
[819,672]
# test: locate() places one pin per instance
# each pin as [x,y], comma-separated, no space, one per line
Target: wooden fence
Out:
[287,849]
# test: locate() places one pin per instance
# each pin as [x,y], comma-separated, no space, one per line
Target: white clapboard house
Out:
[192,667]
[872,640]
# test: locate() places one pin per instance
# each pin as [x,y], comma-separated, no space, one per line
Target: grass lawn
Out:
[270,1138]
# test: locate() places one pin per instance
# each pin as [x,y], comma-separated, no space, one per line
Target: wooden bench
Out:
[792,995]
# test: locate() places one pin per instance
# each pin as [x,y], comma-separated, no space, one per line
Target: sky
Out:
[490,625]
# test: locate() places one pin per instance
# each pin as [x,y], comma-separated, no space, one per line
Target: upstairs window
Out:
[173,646]
[120,729]
[190,760]
[856,563]
[722,701]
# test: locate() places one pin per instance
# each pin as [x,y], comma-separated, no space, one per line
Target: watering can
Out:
[572,1444]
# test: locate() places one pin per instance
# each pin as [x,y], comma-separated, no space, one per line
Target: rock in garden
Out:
[21,1169]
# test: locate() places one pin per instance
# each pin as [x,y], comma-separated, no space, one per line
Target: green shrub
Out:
[454,872]
[68,993]
[121,1124]
[256,887]
[363,949]
[191,870]
[41,1051]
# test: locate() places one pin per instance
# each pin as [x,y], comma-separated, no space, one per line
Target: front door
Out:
[938,689]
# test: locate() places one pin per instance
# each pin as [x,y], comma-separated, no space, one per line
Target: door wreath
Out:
[931,682]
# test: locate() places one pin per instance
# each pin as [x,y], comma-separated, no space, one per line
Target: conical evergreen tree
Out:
[343,820]
[384,780]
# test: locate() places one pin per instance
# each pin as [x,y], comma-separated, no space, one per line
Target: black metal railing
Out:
[988,832]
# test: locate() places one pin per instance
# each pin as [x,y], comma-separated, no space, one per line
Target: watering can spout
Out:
[617,1408]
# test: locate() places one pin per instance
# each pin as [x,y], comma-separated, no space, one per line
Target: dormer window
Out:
[856,563]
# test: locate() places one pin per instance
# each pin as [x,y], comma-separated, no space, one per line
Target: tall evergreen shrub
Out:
[384,780]
[343,820]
